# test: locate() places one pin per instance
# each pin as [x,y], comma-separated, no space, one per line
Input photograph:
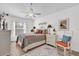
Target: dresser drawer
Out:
[50,39]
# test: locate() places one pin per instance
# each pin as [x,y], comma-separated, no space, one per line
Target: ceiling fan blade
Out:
[34,16]
[31,10]
[37,13]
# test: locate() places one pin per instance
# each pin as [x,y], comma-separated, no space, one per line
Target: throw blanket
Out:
[24,40]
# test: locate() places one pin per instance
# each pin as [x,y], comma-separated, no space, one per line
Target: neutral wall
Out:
[73,15]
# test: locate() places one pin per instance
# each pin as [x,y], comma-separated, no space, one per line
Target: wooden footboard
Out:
[27,42]
[31,46]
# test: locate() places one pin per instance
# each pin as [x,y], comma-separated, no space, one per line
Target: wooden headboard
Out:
[41,31]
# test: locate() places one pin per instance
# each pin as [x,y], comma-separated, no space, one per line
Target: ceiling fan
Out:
[31,12]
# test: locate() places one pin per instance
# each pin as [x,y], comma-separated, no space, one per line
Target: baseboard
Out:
[75,53]
[12,41]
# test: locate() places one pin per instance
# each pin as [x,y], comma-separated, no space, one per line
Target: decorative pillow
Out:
[66,38]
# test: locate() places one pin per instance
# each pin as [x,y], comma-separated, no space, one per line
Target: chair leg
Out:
[65,51]
[57,49]
[70,51]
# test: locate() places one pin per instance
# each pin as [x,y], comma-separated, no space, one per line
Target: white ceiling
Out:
[20,9]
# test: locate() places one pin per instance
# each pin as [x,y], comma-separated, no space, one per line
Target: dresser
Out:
[5,42]
[50,39]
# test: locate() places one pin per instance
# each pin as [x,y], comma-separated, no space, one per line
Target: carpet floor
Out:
[44,50]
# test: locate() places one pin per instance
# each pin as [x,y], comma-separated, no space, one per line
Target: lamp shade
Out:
[32,30]
[49,26]
[34,27]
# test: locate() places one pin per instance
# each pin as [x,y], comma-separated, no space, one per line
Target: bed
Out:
[26,42]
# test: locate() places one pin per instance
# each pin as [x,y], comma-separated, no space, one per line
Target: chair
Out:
[64,43]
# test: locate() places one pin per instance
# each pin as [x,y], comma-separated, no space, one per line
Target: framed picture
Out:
[64,24]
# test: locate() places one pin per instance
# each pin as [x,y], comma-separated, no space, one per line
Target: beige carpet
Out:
[44,50]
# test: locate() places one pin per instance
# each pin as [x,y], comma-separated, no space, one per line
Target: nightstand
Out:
[51,39]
